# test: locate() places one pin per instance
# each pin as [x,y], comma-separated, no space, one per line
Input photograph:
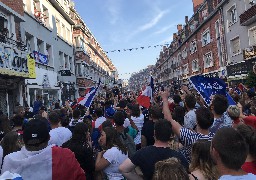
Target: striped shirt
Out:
[188,138]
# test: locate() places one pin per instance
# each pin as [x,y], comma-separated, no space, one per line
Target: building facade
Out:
[14,65]
[47,32]
[91,61]
[198,47]
[240,31]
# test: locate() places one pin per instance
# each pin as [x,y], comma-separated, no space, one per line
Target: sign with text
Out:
[250,52]
[65,72]
[40,58]
[13,62]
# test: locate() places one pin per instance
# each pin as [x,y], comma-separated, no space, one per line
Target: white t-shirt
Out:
[190,119]
[59,136]
[138,121]
[127,123]
[248,176]
[115,157]
[99,121]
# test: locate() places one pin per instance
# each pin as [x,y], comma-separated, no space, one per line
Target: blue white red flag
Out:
[207,87]
[147,95]
[87,101]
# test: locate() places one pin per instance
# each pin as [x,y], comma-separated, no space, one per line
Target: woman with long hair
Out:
[112,156]
[10,143]
[80,144]
[202,166]
[138,118]
[249,134]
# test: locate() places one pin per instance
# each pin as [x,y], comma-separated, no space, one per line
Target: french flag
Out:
[49,163]
[87,100]
[147,95]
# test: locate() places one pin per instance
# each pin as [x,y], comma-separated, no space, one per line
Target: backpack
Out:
[127,140]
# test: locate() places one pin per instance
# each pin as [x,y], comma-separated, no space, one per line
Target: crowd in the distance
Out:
[177,138]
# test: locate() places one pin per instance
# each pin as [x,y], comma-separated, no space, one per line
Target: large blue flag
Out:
[210,86]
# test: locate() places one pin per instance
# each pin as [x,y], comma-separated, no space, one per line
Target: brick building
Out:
[198,47]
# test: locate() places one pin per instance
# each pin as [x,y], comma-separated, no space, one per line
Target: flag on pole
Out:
[210,86]
[147,95]
[87,101]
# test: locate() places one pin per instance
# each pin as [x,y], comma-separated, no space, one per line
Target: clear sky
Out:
[126,24]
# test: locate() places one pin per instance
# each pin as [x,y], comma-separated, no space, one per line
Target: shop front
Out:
[15,66]
[238,72]
[45,86]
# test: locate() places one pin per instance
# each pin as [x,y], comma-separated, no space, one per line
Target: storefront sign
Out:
[84,82]
[250,52]
[240,68]
[40,58]
[13,62]
[31,66]
[65,72]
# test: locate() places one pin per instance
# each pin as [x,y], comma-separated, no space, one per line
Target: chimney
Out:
[196,4]
[164,48]
[186,19]
[179,27]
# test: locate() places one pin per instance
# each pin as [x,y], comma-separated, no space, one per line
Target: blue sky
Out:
[125,24]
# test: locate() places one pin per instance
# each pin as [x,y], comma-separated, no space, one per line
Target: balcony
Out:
[81,55]
[248,17]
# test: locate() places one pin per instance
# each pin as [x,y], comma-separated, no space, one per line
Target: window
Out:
[208,60]
[37,10]
[205,13]
[232,15]
[235,46]
[71,64]
[63,31]
[68,35]
[185,69]
[49,54]
[184,53]
[206,38]
[252,36]
[58,27]
[40,46]
[29,42]
[3,23]
[193,47]
[61,60]
[66,65]
[179,57]
[45,17]
[195,65]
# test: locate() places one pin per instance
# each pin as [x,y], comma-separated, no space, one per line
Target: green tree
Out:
[251,80]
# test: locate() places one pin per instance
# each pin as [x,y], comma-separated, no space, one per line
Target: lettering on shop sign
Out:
[65,72]
[13,62]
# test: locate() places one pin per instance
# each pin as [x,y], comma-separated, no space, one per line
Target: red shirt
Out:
[250,120]
[249,167]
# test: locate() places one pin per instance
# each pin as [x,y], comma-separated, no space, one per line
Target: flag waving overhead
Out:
[210,86]
[147,95]
[87,101]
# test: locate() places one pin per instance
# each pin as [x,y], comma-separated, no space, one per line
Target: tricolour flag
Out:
[147,95]
[87,101]
[210,86]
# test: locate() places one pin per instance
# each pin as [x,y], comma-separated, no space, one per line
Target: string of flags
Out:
[137,48]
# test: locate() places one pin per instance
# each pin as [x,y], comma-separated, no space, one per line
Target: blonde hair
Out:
[170,169]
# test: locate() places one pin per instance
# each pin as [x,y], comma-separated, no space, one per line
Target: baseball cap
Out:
[35,132]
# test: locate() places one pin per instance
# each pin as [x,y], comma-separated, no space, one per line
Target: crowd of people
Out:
[177,138]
